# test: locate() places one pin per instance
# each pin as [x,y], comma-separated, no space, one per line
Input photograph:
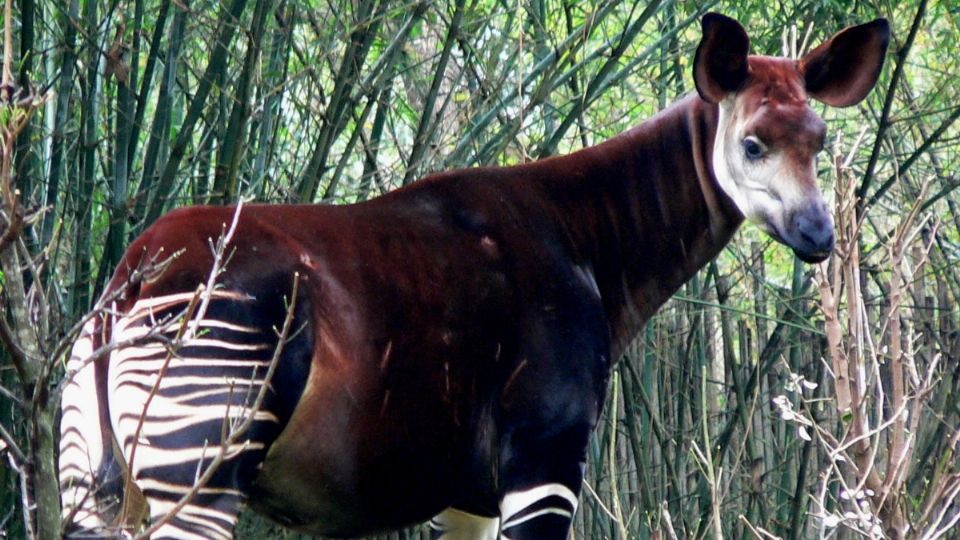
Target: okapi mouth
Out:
[809,233]
[805,255]
[813,257]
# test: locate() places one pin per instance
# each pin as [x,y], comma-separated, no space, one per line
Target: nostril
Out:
[817,232]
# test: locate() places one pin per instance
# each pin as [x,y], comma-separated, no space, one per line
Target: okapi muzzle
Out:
[809,230]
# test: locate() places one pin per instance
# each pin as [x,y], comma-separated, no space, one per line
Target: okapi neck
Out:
[651,212]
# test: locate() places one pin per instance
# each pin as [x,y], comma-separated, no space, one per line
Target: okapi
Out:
[452,339]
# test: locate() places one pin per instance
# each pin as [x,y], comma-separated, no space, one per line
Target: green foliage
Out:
[336,102]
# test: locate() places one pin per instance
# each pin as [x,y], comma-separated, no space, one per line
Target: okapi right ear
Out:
[720,65]
[842,71]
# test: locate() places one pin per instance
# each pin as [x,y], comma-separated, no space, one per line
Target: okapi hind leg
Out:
[207,516]
[181,416]
[91,478]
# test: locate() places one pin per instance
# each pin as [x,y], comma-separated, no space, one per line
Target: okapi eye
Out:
[753,149]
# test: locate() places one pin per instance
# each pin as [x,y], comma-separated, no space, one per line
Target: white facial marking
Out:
[721,168]
[764,189]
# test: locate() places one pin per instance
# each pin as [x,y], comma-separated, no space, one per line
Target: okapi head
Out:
[768,136]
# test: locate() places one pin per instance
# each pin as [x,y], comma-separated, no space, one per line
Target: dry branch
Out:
[233,433]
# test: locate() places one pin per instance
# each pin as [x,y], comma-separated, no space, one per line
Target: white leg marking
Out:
[516,502]
[456,524]
[558,511]
[159,302]
[134,371]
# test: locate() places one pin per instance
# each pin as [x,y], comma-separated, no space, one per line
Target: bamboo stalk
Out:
[146,84]
[567,48]
[26,158]
[160,126]
[24,341]
[377,87]
[612,457]
[70,14]
[264,138]
[644,475]
[427,124]
[226,172]
[227,25]
[334,118]
[371,146]
[884,122]
[603,79]
[118,65]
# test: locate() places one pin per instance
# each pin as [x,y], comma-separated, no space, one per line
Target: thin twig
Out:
[234,433]
[195,313]
[7,44]
[11,445]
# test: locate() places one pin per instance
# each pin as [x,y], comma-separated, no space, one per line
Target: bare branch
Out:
[232,436]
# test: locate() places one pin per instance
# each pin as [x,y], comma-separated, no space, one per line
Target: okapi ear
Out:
[843,70]
[720,65]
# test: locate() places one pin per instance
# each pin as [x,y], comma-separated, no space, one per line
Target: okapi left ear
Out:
[720,65]
[843,70]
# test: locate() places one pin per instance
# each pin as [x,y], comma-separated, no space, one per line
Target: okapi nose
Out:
[816,233]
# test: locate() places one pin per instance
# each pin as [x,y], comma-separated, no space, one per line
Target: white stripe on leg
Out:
[517,501]
[519,507]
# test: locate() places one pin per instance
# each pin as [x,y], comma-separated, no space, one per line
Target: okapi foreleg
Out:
[541,478]
[544,511]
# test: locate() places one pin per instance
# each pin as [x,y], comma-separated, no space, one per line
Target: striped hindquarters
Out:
[183,384]
[177,407]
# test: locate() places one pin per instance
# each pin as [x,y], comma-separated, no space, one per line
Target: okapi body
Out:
[452,340]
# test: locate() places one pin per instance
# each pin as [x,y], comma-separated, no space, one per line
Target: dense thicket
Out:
[767,398]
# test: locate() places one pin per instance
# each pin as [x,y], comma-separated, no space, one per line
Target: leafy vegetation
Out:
[731,415]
